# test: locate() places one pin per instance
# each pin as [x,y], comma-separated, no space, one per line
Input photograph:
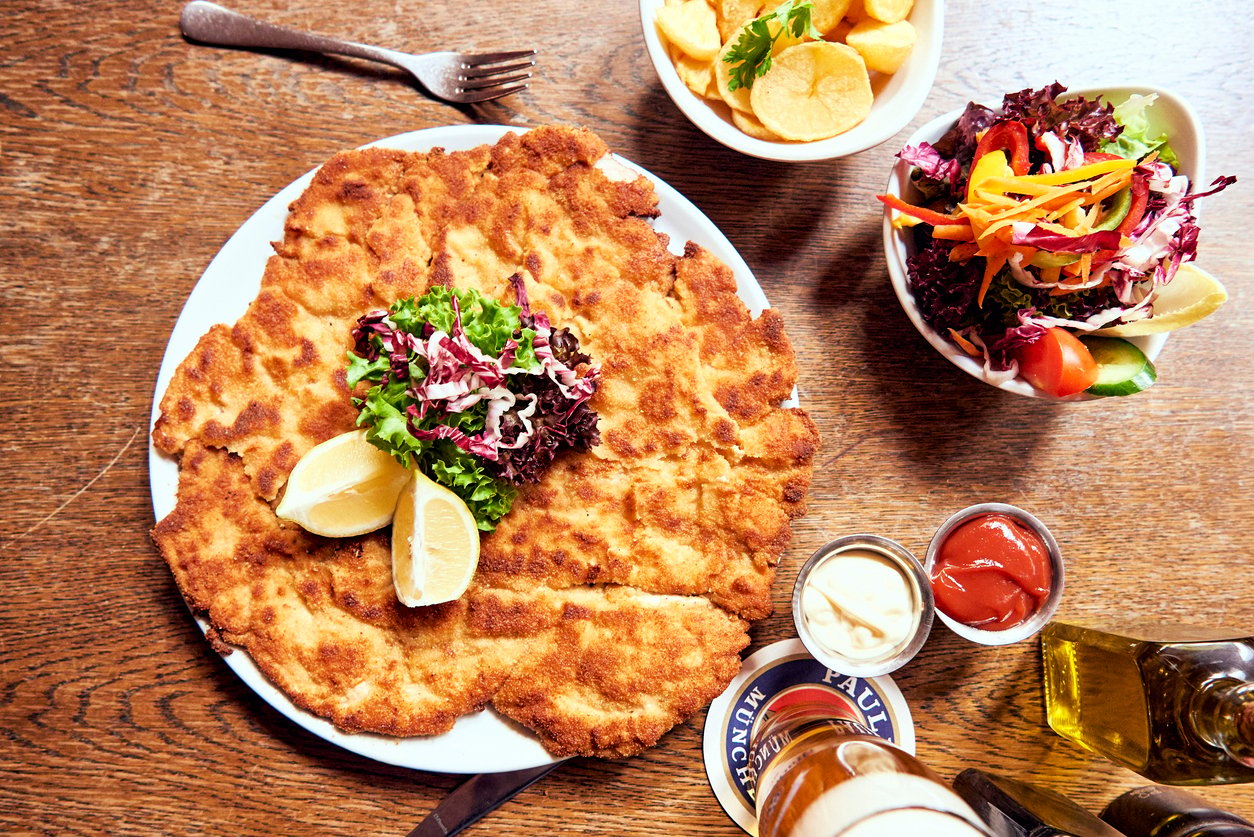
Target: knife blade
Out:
[476,797]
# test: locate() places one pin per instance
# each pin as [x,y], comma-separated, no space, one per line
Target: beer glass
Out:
[820,776]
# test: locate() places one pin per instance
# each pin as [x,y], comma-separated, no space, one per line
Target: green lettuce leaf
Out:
[488,324]
[489,499]
[1136,140]
[383,411]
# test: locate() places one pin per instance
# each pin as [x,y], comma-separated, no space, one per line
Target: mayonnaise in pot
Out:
[862,605]
[859,605]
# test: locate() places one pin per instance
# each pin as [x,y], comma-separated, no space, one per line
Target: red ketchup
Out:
[992,572]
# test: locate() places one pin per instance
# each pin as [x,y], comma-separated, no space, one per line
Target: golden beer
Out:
[819,776]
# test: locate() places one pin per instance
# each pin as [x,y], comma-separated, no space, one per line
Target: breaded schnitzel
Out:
[613,601]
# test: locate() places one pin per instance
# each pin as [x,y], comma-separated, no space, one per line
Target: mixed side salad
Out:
[1052,218]
[477,395]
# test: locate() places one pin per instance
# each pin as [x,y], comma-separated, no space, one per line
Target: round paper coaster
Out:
[770,679]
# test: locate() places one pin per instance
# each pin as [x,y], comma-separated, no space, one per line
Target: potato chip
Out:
[691,27]
[827,14]
[738,99]
[840,32]
[883,46]
[888,11]
[752,126]
[813,91]
[734,14]
[698,76]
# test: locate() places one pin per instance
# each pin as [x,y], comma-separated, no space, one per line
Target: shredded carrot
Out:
[1054,215]
[953,232]
[964,251]
[1109,185]
[992,266]
[965,344]
[1067,202]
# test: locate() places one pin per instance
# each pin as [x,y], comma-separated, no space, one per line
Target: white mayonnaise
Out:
[859,604]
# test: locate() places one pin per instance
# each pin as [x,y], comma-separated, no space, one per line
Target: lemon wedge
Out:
[435,544]
[343,487]
[1190,295]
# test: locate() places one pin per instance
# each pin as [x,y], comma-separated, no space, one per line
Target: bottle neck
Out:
[1223,716]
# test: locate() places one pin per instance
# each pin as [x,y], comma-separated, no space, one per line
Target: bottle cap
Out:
[1158,811]
[780,675]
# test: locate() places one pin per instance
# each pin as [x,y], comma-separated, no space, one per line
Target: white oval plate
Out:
[483,742]
[1169,114]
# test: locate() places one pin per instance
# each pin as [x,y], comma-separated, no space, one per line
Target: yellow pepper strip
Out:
[1016,186]
[1058,178]
[992,165]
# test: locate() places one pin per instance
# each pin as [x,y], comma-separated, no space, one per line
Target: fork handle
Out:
[213,24]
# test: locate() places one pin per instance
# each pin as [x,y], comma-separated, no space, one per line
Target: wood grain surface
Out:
[128,156]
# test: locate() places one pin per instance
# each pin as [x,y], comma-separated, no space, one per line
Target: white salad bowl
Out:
[898,97]
[1169,114]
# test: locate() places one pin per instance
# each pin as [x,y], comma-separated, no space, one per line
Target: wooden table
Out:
[128,156]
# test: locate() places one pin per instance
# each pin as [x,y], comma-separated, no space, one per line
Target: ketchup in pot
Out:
[991,572]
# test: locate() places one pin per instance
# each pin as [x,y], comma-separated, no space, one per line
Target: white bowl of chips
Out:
[866,111]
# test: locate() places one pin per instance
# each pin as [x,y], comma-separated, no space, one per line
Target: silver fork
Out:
[456,77]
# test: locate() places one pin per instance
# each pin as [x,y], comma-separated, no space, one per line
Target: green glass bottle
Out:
[1171,812]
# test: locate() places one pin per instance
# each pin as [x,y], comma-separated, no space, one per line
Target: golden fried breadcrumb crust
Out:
[613,601]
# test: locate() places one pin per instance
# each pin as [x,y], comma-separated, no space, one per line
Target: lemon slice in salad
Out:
[435,544]
[1190,295]
[343,487]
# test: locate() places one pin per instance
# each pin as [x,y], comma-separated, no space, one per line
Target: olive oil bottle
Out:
[1173,703]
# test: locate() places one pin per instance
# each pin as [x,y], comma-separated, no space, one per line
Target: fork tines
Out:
[496,74]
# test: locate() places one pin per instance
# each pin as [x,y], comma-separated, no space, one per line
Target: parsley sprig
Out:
[751,54]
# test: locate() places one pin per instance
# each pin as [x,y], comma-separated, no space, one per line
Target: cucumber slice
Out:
[1122,368]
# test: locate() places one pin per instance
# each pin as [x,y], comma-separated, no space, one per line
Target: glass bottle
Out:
[1173,703]
[1016,809]
[819,776]
[1172,812]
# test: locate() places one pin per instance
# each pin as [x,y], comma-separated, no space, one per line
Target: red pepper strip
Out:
[1140,194]
[927,216]
[1010,136]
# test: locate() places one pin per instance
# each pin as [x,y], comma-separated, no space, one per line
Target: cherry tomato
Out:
[1057,363]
